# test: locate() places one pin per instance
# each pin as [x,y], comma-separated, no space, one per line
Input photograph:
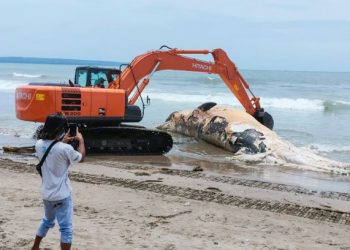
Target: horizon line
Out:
[94,62]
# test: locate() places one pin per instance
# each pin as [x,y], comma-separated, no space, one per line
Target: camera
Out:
[72,129]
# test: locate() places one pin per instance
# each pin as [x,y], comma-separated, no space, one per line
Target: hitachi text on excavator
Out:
[102,100]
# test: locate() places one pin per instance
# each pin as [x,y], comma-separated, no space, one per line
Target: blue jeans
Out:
[61,210]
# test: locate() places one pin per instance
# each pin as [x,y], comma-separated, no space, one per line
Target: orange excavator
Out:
[102,100]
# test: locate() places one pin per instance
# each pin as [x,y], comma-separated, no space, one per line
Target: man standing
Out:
[55,186]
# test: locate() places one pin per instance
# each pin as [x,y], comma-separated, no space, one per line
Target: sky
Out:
[311,35]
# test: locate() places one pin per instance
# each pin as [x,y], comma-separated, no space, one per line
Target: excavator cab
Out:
[95,76]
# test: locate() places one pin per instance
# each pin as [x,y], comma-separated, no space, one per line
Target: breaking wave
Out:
[193,98]
[324,148]
[293,104]
[267,102]
[330,106]
[335,152]
[21,75]
[10,85]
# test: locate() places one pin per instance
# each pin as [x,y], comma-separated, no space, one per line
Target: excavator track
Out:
[126,140]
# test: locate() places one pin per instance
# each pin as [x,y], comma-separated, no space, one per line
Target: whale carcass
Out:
[249,140]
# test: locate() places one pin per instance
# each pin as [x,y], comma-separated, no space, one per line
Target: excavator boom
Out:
[144,65]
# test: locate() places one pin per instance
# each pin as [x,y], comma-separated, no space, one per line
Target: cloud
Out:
[258,34]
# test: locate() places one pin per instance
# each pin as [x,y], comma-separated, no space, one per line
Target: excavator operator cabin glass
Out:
[113,76]
[81,78]
[97,76]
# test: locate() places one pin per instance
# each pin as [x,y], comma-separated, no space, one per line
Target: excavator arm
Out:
[143,66]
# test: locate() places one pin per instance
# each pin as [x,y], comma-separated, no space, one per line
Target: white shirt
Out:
[55,183]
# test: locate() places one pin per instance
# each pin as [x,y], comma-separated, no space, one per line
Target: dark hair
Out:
[55,125]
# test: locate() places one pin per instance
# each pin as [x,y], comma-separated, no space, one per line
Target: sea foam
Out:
[10,85]
[22,75]
[266,102]
[327,148]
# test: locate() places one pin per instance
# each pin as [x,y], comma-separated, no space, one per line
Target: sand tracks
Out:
[211,195]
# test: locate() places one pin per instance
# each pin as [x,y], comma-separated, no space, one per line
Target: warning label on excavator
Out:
[40,97]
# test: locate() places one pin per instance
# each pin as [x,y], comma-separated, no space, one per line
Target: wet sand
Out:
[158,203]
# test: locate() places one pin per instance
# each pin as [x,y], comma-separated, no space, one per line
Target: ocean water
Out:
[310,109]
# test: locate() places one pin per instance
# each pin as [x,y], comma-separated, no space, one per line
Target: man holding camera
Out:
[55,186]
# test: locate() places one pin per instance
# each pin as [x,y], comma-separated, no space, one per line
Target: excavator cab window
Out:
[81,77]
[112,75]
[94,76]
[99,79]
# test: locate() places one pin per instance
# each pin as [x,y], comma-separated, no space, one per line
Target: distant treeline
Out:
[35,60]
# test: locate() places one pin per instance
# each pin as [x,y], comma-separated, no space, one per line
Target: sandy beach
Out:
[118,205]
[267,167]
